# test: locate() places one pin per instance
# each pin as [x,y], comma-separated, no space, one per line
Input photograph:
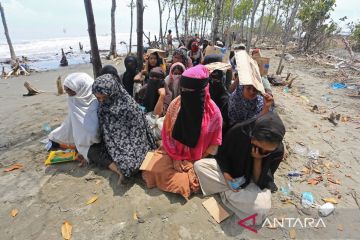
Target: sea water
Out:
[45,54]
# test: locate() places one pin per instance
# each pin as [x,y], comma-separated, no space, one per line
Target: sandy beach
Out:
[47,196]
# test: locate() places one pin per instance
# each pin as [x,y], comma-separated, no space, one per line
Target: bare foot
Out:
[121,179]
[82,161]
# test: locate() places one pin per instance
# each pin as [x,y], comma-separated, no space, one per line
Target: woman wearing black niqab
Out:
[127,78]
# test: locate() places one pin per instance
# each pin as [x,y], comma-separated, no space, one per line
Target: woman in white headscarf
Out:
[80,127]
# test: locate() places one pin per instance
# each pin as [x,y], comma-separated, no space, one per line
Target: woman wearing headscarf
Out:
[80,127]
[180,55]
[243,170]
[172,81]
[125,134]
[154,60]
[127,78]
[191,131]
[155,96]
[195,53]
[246,102]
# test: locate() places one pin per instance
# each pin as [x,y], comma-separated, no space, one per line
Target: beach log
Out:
[63,61]
[31,90]
[59,85]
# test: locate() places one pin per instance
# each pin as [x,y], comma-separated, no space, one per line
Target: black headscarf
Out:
[219,93]
[131,64]
[187,126]
[108,69]
[234,156]
[152,95]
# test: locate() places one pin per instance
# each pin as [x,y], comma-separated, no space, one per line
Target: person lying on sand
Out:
[80,127]
[243,170]
[125,134]
[191,131]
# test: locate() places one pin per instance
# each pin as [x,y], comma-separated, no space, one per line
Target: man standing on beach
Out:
[169,41]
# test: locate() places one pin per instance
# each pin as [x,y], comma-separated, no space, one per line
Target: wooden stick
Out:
[291,82]
[31,90]
[59,85]
[281,69]
[288,76]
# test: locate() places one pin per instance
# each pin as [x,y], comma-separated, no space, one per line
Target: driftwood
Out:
[63,61]
[31,90]
[59,85]
[348,48]
[16,70]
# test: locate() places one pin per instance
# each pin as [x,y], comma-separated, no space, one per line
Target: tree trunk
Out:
[139,30]
[287,32]
[12,52]
[276,17]
[131,24]
[268,23]
[160,30]
[167,20]
[186,30]
[177,18]
[216,20]
[249,38]
[95,56]
[228,40]
[260,22]
[113,33]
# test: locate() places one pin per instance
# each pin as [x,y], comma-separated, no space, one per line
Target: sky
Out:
[38,19]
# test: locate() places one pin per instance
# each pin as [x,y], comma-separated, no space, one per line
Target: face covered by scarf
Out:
[174,79]
[156,81]
[187,127]
[131,64]
[181,53]
[194,47]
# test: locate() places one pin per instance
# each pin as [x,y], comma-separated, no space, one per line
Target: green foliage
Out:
[355,36]
[242,10]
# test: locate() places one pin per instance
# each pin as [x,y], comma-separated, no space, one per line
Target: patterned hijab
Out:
[183,54]
[123,126]
[241,109]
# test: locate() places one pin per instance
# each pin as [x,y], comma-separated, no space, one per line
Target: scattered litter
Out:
[315,181]
[340,227]
[61,156]
[46,127]
[66,230]
[306,152]
[338,85]
[13,167]
[44,141]
[14,212]
[292,233]
[286,90]
[138,218]
[289,57]
[92,200]
[326,209]
[330,200]
[294,174]
[307,199]
[215,210]
[305,98]
[332,180]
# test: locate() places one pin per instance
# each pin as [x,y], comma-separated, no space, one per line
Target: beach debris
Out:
[66,230]
[31,89]
[81,47]
[289,57]
[59,86]
[215,210]
[137,217]
[295,174]
[330,200]
[3,73]
[340,227]
[338,85]
[46,127]
[276,80]
[14,212]
[63,61]
[307,199]
[18,69]
[326,209]
[333,118]
[315,181]
[13,167]
[332,180]
[292,233]
[92,200]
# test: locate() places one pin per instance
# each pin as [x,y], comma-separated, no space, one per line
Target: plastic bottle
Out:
[307,199]
[46,127]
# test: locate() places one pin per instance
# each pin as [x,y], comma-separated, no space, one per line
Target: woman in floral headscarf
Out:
[126,136]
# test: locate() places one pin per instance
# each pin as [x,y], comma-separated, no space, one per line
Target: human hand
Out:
[82,161]
[177,166]
[268,100]
[161,92]
[255,153]
[229,178]
[137,77]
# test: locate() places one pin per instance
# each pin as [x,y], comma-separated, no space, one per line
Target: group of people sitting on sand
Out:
[216,134]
